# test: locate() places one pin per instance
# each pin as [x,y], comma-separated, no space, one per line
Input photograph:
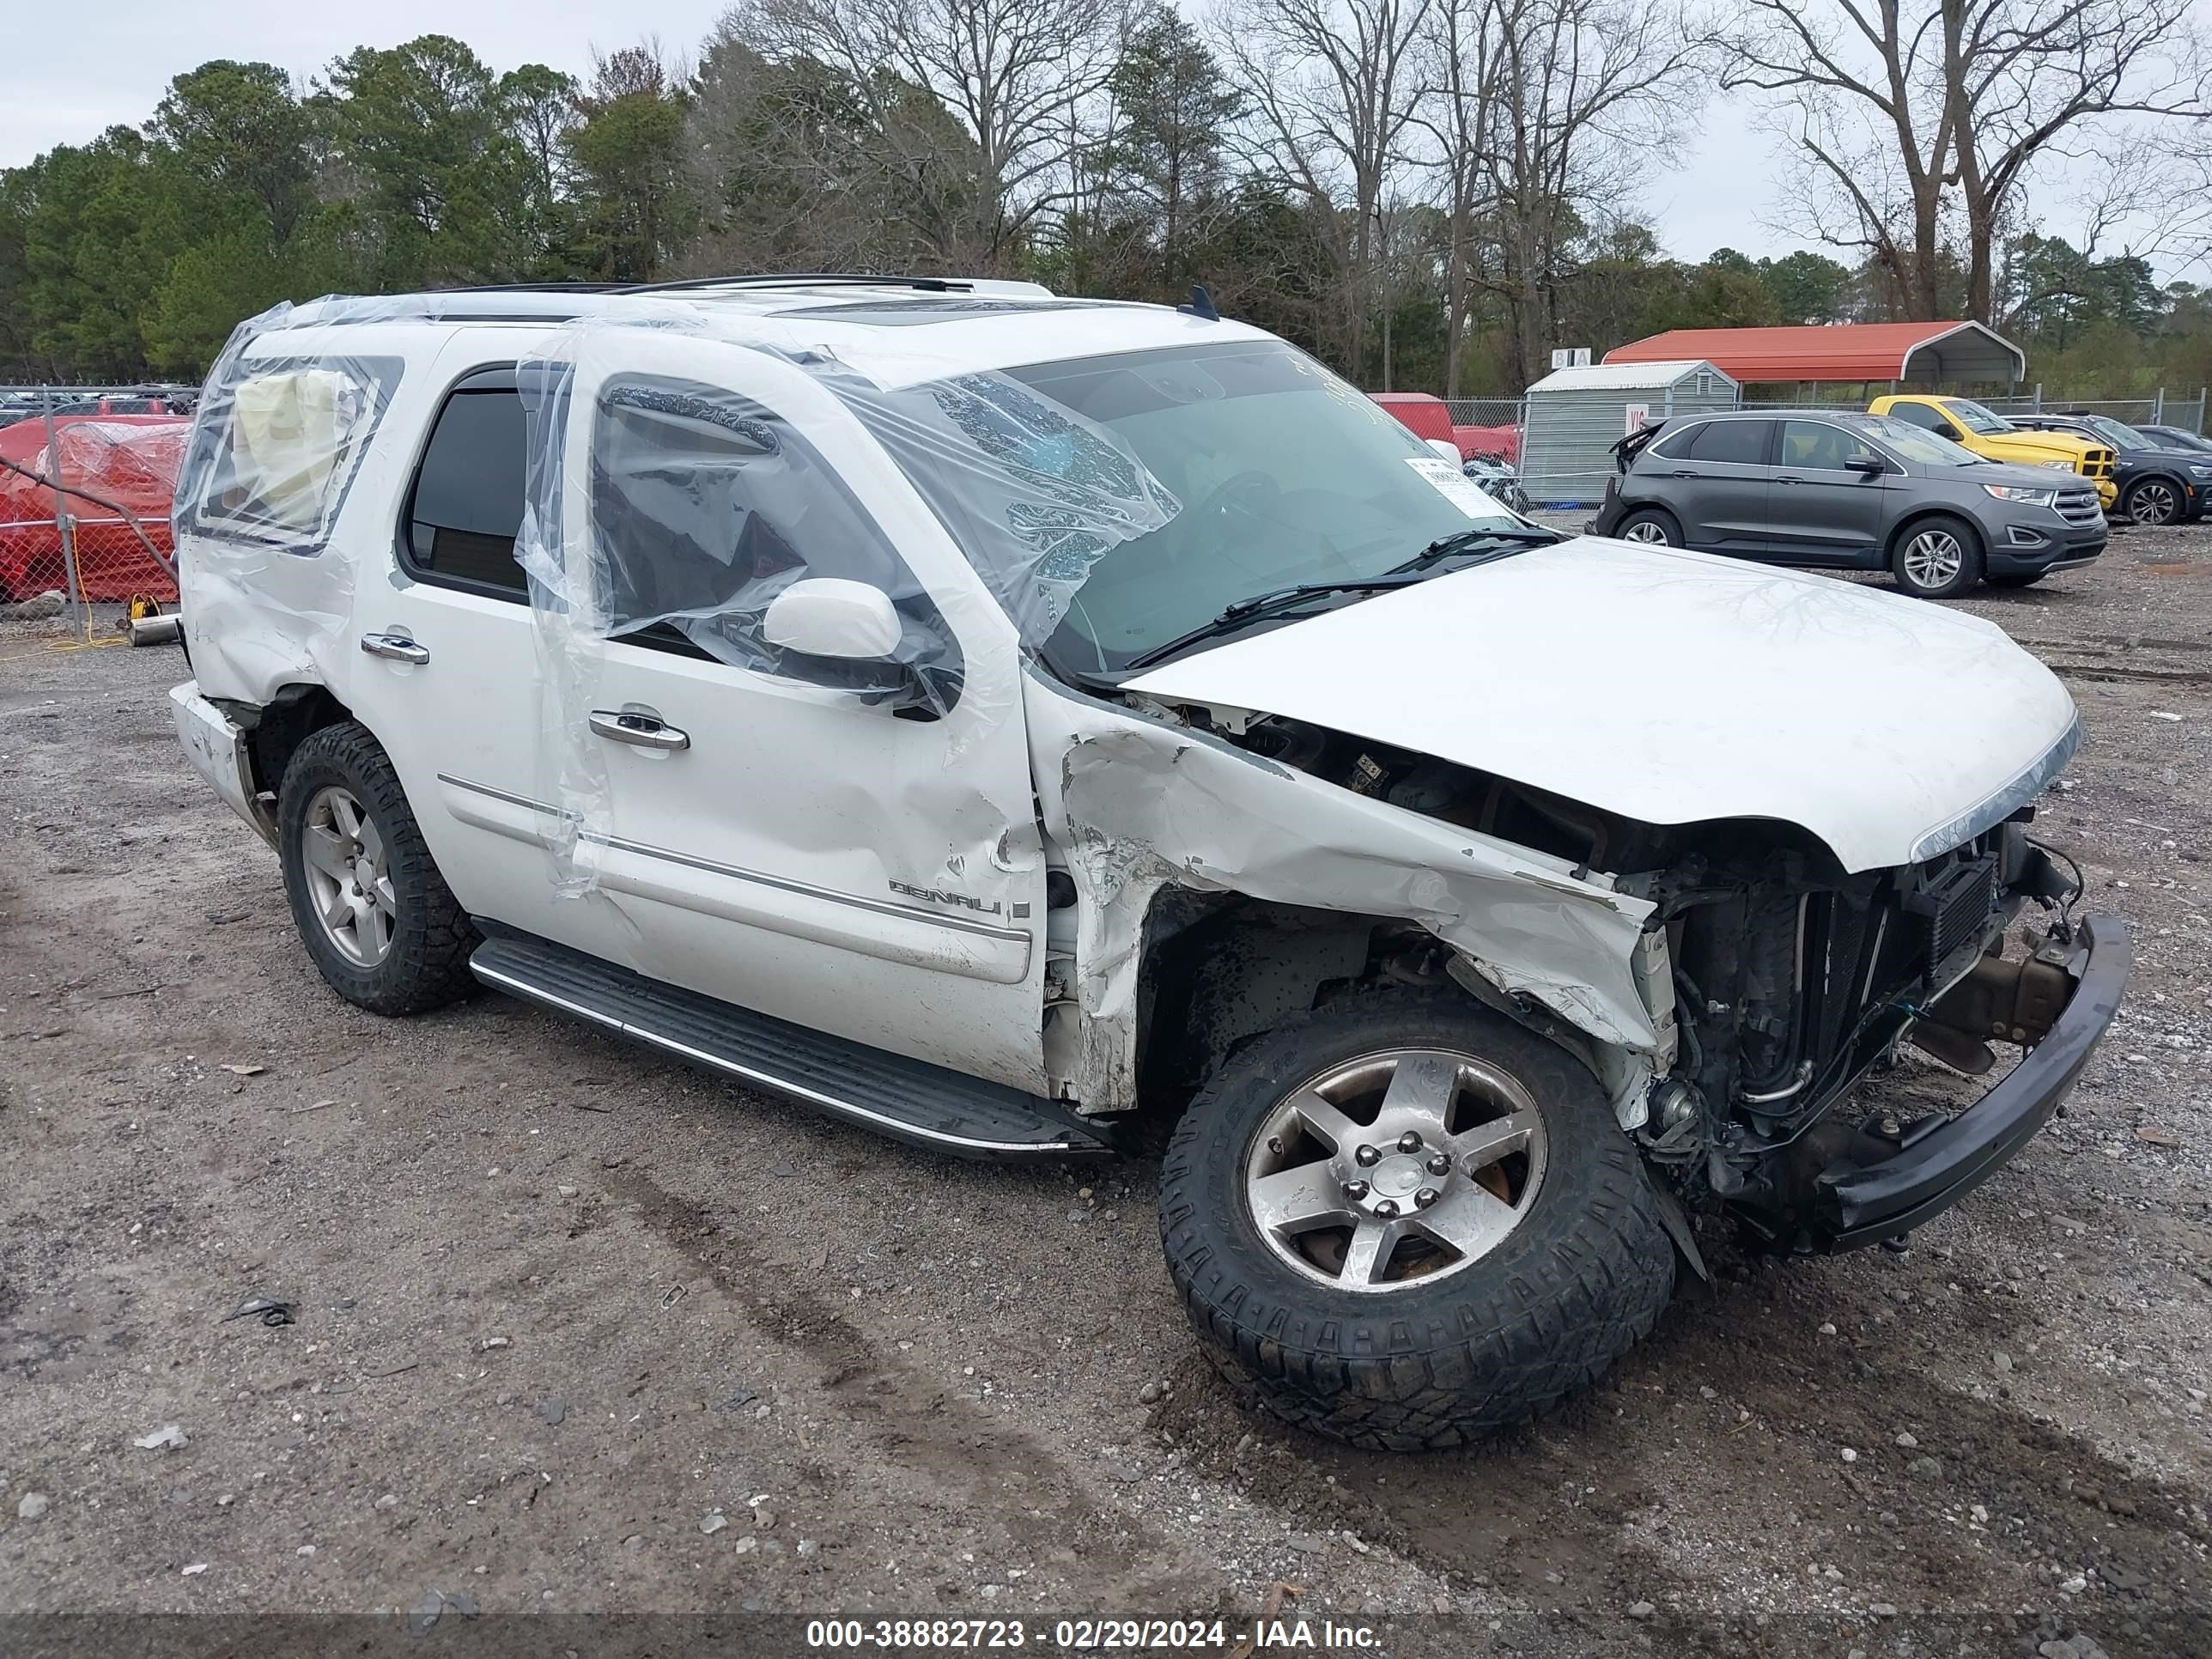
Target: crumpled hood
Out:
[1672,687]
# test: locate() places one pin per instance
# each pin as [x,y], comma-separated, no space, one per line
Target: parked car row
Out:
[2162,479]
[1855,492]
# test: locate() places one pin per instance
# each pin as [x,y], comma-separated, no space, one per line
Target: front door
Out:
[848,844]
[1824,510]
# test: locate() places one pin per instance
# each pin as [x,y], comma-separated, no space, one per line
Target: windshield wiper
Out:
[1513,538]
[1261,605]
[1266,604]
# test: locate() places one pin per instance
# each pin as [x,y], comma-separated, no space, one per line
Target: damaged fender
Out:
[1140,805]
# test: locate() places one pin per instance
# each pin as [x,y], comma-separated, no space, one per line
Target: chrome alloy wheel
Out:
[1396,1169]
[1649,531]
[1934,558]
[344,856]
[2152,502]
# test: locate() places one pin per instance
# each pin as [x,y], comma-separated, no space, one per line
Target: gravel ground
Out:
[579,1331]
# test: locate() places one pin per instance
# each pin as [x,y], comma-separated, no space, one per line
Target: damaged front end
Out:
[1794,981]
[1729,982]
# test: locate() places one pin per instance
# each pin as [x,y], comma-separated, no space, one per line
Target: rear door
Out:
[1820,510]
[449,672]
[1719,481]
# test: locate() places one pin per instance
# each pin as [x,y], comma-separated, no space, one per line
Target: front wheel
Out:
[1402,1221]
[1937,558]
[2152,502]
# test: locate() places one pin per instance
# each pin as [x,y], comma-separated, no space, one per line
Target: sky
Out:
[62,84]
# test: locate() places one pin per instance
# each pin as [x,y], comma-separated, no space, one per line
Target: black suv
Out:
[2160,482]
[1848,491]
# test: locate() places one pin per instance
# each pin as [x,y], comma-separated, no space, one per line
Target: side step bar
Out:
[910,1100]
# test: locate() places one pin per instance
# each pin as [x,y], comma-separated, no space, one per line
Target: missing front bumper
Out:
[1858,1199]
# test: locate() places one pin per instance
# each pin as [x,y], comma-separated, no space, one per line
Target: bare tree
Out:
[1331,86]
[1008,70]
[1462,50]
[1907,115]
[1584,96]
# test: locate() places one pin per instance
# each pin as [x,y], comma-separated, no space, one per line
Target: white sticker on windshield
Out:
[1455,487]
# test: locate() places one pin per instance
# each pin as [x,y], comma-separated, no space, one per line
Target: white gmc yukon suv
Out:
[1016,724]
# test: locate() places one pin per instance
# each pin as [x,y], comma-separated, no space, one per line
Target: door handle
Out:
[645,730]
[398,647]
[1788,479]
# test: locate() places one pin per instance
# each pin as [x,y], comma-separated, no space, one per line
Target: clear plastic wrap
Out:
[713,480]
[278,441]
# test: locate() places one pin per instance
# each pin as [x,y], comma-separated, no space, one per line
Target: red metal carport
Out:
[1865,354]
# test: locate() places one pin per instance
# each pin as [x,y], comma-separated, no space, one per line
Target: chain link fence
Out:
[2160,409]
[86,476]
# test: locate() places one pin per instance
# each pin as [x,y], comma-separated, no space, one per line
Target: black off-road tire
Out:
[427,964]
[1430,1363]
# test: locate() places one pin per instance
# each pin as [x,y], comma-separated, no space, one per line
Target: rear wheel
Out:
[1651,527]
[1937,558]
[371,907]
[1403,1221]
[2152,502]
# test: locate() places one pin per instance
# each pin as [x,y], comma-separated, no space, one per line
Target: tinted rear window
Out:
[466,508]
[1742,442]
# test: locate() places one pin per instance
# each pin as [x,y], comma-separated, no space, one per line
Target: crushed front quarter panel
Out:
[1140,805]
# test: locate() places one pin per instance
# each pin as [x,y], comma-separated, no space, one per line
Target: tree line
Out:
[1430,194]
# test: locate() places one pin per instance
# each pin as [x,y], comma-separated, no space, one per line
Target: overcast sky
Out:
[61,82]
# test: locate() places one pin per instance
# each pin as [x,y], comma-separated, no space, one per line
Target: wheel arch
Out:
[1919,516]
[276,729]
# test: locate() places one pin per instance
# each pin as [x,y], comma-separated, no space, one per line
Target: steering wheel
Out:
[1222,493]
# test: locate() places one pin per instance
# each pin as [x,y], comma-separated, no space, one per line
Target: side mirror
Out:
[1871,465]
[1445,449]
[830,616]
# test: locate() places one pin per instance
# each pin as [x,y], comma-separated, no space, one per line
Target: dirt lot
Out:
[580,1332]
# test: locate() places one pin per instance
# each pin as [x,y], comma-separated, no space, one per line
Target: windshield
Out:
[1974,417]
[1913,443]
[2117,434]
[1284,474]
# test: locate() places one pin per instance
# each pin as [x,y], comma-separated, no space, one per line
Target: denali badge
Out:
[961,899]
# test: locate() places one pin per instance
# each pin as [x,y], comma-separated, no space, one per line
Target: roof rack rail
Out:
[806,278]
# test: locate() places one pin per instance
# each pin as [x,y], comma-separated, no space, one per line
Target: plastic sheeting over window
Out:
[278,442]
[1035,493]
[757,506]
[707,507]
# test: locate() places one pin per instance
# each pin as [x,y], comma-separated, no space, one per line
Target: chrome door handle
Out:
[398,647]
[645,730]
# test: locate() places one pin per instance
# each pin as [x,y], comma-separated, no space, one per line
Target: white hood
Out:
[1672,687]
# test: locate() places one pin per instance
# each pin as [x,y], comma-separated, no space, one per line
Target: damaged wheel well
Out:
[274,729]
[1221,970]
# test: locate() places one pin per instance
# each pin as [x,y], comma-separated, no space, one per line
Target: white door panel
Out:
[807,853]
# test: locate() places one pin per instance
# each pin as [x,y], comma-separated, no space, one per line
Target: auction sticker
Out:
[1455,487]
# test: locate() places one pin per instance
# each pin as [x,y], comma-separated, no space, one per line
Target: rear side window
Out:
[277,446]
[1675,445]
[465,507]
[1739,442]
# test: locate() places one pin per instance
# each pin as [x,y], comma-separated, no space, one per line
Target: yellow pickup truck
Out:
[1966,422]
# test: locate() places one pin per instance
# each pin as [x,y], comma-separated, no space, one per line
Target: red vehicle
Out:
[129,460]
[1427,417]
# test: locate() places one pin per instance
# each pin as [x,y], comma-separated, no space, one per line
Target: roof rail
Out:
[806,279]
